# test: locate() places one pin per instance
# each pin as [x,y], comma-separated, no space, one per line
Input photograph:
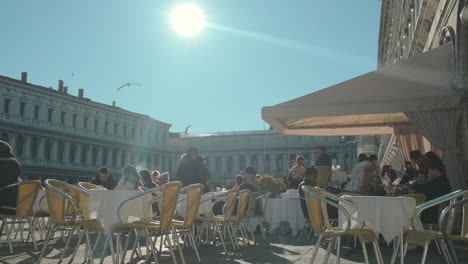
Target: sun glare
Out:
[187,19]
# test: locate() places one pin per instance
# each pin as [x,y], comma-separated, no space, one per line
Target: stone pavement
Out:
[282,249]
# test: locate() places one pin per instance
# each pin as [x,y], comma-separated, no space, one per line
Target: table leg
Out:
[402,251]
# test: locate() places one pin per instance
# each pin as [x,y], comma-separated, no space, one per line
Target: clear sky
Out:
[253,53]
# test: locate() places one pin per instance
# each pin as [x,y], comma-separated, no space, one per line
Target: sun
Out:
[187,19]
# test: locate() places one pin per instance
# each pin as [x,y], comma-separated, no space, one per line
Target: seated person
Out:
[130,179]
[410,173]
[239,180]
[11,170]
[356,178]
[163,179]
[296,173]
[375,188]
[146,180]
[104,179]
[437,185]
[155,175]
[309,176]
[250,181]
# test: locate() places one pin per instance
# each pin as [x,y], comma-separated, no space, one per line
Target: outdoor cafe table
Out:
[285,209]
[385,215]
[205,203]
[103,206]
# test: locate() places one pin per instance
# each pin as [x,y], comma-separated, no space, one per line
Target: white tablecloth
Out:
[103,205]
[40,204]
[287,210]
[385,215]
[204,209]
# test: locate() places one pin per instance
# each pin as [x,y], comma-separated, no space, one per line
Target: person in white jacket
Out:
[358,174]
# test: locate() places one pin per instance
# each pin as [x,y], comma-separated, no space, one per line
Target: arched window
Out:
[5,137]
[242,163]
[230,164]
[84,154]
[48,149]
[72,152]
[19,146]
[60,151]
[34,147]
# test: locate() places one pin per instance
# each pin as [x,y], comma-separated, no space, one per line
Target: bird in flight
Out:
[128,84]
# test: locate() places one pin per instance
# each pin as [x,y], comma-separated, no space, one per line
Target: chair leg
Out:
[364,251]
[171,248]
[316,248]
[50,233]
[263,230]
[445,252]
[111,243]
[218,229]
[194,245]
[452,252]
[8,235]
[152,247]
[329,249]
[80,237]
[338,250]
[426,247]
[90,249]
[32,231]
[104,249]
[378,254]
[124,253]
[70,234]
[175,238]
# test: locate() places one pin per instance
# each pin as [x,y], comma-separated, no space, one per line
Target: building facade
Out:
[58,135]
[267,150]
[408,28]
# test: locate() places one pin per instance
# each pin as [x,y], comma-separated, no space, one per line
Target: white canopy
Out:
[372,103]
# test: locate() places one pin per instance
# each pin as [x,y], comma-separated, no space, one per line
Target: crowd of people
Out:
[427,176]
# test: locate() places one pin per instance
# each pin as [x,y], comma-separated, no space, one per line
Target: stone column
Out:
[27,146]
[272,159]
[99,156]
[235,164]
[54,150]
[78,154]
[110,157]
[40,154]
[89,154]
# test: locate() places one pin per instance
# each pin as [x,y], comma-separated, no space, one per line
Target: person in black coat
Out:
[193,168]
[10,171]
[105,179]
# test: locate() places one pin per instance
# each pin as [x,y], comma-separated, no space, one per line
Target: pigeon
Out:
[128,84]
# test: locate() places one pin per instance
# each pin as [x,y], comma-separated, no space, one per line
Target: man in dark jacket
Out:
[193,168]
[309,178]
[321,157]
[105,179]
[10,170]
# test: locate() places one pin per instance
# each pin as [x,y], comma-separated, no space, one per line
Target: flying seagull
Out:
[128,84]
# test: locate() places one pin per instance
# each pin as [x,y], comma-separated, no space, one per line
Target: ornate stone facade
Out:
[56,134]
[408,28]
[269,151]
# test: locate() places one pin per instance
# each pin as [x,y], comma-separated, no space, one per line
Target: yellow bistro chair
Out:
[219,224]
[236,223]
[90,186]
[186,227]
[160,228]
[317,201]
[26,196]
[323,175]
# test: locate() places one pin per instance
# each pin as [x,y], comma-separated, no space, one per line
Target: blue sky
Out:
[253,53]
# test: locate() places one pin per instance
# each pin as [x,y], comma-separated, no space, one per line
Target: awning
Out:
[372,103]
